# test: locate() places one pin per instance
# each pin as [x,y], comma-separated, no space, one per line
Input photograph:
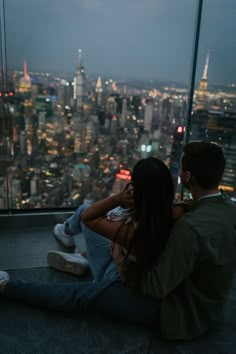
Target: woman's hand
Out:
[125,198]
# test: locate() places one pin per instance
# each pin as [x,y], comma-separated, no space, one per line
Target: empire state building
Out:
[201,92]
[82,125]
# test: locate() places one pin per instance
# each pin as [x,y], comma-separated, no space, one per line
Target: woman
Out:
[119,267]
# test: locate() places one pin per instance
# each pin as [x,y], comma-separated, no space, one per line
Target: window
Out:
[214,108]
[93,86]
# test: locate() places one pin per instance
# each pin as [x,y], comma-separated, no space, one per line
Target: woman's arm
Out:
[116,231]
[98,209]
[95,217]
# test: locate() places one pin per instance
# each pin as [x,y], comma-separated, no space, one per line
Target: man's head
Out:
[202,164]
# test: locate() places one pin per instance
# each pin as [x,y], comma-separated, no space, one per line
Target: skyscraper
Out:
[81,124]
[99,91]
[79,85]
[124,112]
[148,115]
[25,82]
[177,145]
[201,92]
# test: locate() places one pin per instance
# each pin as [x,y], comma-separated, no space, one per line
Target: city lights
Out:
[82,135]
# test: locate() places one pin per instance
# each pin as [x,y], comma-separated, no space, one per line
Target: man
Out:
[187,289]
[197,267]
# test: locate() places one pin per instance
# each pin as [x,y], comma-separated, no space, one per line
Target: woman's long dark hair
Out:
[153,199]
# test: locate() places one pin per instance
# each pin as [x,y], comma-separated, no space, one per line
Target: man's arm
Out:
[176,262]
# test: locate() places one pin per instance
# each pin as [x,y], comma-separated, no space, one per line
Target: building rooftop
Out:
[24,243]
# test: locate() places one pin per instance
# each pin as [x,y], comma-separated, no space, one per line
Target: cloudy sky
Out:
[146,39]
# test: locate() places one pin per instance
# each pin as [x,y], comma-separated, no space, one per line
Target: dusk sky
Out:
[143,39]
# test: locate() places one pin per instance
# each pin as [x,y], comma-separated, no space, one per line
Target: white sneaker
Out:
[65,239]
[68,262]
[4,276]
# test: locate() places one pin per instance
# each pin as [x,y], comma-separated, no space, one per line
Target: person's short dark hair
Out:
[205,161]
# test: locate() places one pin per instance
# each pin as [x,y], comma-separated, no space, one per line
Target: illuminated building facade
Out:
[122,178]
[148,115]
[79,85]
[82,125]
[202,92]
[177,145]
[25,82]
[124,112]
[99,91]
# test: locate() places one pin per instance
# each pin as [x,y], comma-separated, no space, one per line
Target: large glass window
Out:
[95,86]
[214,108]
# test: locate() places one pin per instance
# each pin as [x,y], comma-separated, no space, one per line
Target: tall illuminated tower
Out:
[25,82]
[99,91]
[82,126]
[148,116]
[201,93]
[79,84]
[124,112]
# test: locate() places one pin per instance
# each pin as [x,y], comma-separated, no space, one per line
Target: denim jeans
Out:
[105,294]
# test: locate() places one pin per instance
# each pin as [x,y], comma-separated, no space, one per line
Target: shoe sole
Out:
[58,262]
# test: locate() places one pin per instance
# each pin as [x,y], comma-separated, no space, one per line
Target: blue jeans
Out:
[105,294]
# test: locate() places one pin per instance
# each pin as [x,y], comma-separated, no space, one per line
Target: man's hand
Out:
[181,207]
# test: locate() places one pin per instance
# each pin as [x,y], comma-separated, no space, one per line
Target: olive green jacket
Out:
[195,272]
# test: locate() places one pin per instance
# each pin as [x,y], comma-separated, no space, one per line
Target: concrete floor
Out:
[24,243]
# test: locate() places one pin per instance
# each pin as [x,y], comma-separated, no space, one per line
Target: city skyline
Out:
[75,137]
[141,46]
